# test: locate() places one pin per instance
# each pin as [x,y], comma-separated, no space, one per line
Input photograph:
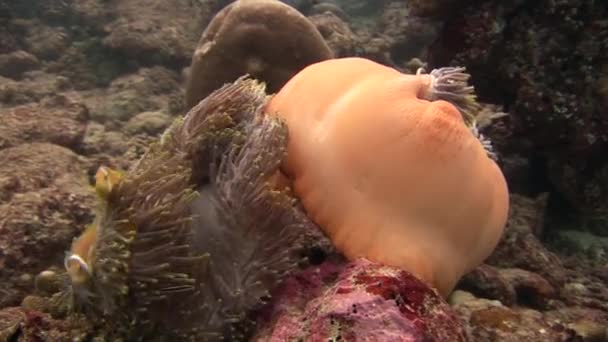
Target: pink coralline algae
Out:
[358,301]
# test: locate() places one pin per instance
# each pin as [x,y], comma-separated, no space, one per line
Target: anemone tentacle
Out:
[194,235]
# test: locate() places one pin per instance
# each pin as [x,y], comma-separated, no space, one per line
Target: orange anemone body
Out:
[389,176]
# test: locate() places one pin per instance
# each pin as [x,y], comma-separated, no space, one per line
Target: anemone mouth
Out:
[451,84]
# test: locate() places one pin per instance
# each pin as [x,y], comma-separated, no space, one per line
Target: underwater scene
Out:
[306,170]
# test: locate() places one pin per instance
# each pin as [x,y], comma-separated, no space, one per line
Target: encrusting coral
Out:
[390,170]
[358,301]
[194,236]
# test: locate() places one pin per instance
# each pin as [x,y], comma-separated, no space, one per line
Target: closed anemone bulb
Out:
[388,165]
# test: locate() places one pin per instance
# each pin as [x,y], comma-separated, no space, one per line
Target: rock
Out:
[584,184]
[151,123]
[520,248]
[325,7]
[517,170]
[434,8]
[551,89]
[47,42]
[590,331]
[58,120]
[336,32]
[113,148]
[589,325]
[148,89]
[487,282]
[585,292]
[21,324]
[10,34]
[142,31]
[99,140]
[361,8]
[601,272]
[14,64]
[410,36]
[88,64]
[374,46]
[358,301]
[488,320]
[532,289]
[266,39]
[582,243]
[602,85]
[10,320]
[32,88]
[34,302]
[48,282]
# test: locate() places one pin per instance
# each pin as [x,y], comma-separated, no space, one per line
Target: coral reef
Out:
[263,38]
[43,201]
[21,324]
[338,35]
[520,248]
[58,120]
[530,292]
[142,33]
[408,36]
[328,7]
[434,8]
[148,89]
[491,321]
[149,123]
[16,63]
[384,31]
[543,61]
[93,41]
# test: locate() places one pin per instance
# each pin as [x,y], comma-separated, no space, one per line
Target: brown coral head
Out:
[264,38]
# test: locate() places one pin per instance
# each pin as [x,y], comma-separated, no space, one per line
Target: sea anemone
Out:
[195,235]
[390,170]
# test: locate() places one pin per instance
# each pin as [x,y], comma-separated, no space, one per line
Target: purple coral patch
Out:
[359,300]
